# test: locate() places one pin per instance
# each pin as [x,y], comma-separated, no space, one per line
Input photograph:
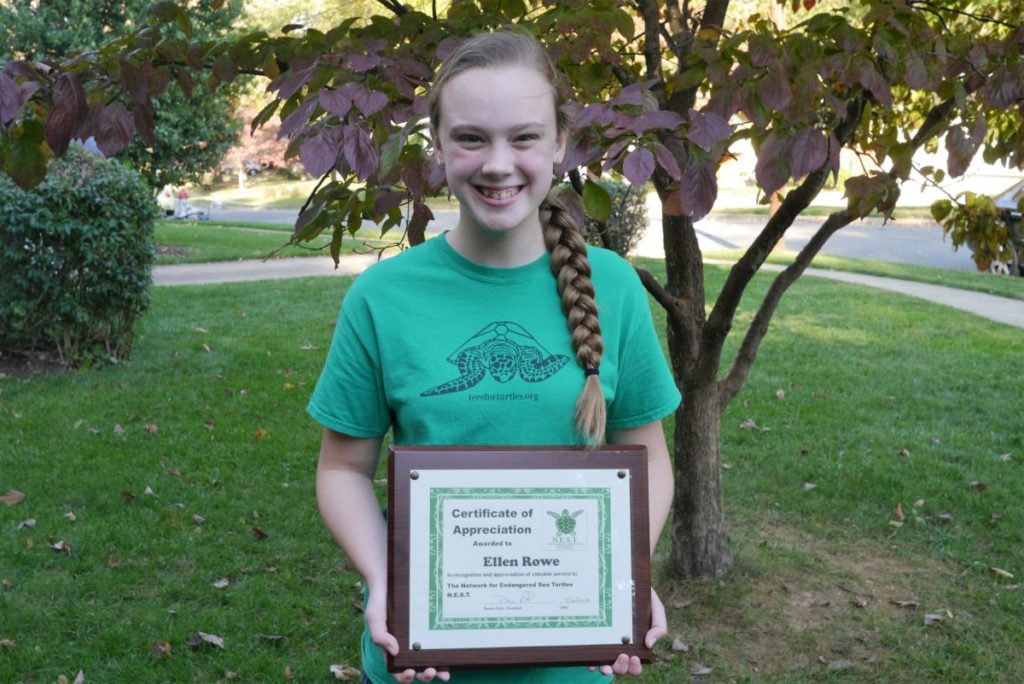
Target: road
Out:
[922,245]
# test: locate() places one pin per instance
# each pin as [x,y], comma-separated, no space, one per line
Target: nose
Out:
[499,160]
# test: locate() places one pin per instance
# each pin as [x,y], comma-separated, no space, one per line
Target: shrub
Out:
[75,256]
[628,219]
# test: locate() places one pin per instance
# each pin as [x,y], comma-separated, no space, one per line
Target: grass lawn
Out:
[186,242]
[180,486]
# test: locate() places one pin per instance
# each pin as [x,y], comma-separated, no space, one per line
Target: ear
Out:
[435,140]
[560,144]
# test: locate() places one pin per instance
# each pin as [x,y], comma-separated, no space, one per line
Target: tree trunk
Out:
[700,545]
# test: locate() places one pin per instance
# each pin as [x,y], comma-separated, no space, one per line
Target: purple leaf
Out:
[613,153]
[633,94]
[762,51]
[658,119]
[370,102]
[916,73]
[13,97]
[359,152]
[318,155]
[386,200]
[298,73]
[335,102]
[185,81]
[68,105]
[362,62]
[961,151]
[707,129]
[808,151]
[114,129]
[299,115]
[773,89]
[771,170]
[638,166]
[870,78]
[145,121]
[834,149]
[698,188]
[667,161]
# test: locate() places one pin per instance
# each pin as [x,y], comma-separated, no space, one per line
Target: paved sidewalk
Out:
[999,309]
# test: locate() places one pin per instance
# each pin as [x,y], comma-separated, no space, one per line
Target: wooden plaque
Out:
[517,555]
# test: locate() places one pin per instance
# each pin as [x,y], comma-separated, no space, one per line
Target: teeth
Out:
[499,194]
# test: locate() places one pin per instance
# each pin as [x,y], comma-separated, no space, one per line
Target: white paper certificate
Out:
[497,555]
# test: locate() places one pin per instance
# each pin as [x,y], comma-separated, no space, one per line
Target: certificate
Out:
[507,555]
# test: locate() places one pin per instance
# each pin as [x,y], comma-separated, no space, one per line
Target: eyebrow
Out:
[467,127]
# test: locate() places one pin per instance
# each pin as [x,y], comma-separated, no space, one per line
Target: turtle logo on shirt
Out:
[502,349]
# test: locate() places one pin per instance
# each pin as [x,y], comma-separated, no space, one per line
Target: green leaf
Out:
[165,10]
[183,21]
[339,233]
[596,201]
[940,209]
[26,163]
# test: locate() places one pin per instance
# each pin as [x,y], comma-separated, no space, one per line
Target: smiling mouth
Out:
[499,193]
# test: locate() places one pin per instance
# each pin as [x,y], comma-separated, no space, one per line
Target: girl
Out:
[463,339]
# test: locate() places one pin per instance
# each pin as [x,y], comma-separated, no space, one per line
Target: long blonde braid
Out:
[562,236]
[571,268]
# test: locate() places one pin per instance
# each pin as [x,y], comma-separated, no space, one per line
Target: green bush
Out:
[627,222]
[75,256]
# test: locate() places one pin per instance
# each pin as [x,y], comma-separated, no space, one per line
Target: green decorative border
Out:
[436,621]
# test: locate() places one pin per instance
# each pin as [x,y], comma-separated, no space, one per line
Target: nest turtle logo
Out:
[565,527]
[503,349]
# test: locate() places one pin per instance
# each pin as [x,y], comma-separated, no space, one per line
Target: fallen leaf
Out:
[748,424]
[148,491]
[899,511]
[94,431]
[780,394]
[699,670]
[905,453]
[309,347]
[12,497]
[200,638]
[996,516]
[727,466]
[6,583]
[113,561]
[80,677]
[999,572]
[28,522]
[919,503]
[289,673]
[682,603]
[808,486]
[859,602]
[30,543]
[979,486]
[259,533]
[261,433]
[270,637]
[174,472]
[198,519]
[118,430]
[70,515]
[839,665]
[61,547]
[206,348]
[945,517]
[680,645]
[209,425]
[162,649]
[934,619]
[222,583]
[1005,458]
[7,643]
[200,330]
[905,603]
[344,672]
[127,496]
[152,428]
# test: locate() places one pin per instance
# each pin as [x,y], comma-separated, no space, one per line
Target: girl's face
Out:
[499,143]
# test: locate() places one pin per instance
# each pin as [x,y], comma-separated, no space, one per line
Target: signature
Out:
[575,599]
[523,598]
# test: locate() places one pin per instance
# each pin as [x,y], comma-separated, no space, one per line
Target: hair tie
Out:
[587,372]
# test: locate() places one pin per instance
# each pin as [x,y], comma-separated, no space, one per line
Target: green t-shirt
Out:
[446,351]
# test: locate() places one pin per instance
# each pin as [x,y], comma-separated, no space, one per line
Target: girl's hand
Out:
[631,665]
[376,621]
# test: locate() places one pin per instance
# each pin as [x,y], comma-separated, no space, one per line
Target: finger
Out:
[606,670]
[427,675]
[659,621]
[385,640]
[635,666]
[405,677]
[621,664]
[443,675]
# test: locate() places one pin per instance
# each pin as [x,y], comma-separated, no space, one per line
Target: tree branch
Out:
[660,294]
[935,8]
[733,382]
[652,43]
[393,6]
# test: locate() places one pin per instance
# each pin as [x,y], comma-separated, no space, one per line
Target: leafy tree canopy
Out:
[191,132]
[666,90]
